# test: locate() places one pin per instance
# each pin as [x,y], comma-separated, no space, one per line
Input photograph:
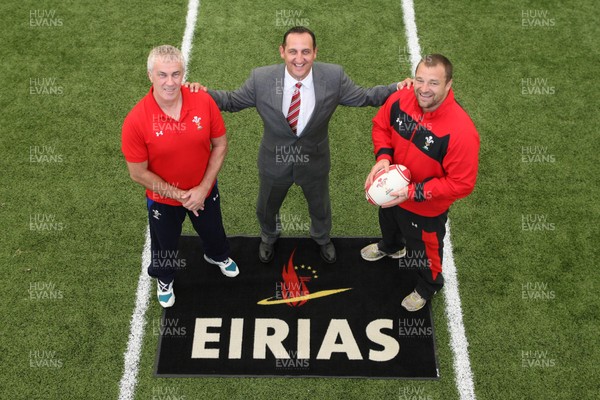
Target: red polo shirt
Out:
[176,150]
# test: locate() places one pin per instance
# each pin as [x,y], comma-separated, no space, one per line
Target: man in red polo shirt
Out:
[174,143]
[427,131]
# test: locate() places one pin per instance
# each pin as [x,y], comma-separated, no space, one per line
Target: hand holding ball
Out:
[384,183]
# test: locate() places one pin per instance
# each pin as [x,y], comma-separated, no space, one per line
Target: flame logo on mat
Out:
[294,291]
[293,287]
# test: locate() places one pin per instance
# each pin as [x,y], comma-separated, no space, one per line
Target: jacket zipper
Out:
[412,135]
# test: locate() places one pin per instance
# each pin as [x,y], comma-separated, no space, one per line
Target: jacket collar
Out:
[446,104]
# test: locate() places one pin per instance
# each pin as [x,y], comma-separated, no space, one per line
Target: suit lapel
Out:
[276,98]
[277,88]
[320,86]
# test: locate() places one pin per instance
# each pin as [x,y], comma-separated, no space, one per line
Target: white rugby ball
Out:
[384,183]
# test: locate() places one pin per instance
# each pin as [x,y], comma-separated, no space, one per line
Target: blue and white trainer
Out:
[228,267]
[166,296]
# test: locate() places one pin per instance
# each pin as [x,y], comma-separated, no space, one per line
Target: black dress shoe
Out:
[328,252]
[266,251]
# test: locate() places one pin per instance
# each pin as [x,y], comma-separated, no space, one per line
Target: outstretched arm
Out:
[235,100]
[356,96]
[231,101]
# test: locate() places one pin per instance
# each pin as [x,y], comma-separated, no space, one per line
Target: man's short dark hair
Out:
[300,29]
[431,60]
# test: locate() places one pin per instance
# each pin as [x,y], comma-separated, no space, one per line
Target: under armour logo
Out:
[399,121]
[156,214]
[159,133]
[415,225]
[216,197]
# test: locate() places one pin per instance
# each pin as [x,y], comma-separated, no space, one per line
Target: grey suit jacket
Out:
[282,154]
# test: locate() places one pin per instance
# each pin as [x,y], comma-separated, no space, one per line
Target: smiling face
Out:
[298,54]
[431,87]
[166,77]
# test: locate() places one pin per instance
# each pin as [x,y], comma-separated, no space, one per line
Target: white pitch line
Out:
[136,332]
[138,318]
[408,12]
[458,338]
[188,35]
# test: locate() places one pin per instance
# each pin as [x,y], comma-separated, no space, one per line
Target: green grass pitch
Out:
[73,223]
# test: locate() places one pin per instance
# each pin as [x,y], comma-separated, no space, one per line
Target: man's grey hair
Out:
[166,53]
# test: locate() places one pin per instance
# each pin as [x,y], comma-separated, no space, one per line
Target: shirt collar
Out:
[289,81]
[185,104]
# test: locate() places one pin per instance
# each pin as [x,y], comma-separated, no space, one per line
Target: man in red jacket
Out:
[427,131]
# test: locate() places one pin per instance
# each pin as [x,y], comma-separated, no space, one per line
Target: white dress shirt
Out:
[307,98]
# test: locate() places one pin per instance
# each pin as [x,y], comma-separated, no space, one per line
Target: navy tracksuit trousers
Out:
[166,222]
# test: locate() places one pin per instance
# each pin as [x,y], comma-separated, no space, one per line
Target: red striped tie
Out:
[294,112]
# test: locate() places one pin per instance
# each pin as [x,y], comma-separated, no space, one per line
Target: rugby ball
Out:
[385,183]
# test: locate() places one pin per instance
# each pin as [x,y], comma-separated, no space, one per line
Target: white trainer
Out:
[372,253]
[413,302]
[165,293]
[228,267]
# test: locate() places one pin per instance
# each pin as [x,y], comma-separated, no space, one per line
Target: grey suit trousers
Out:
[271,195]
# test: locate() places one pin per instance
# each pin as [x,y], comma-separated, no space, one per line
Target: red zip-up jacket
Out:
[440,149]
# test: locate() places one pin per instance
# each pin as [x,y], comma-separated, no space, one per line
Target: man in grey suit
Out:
[296,101]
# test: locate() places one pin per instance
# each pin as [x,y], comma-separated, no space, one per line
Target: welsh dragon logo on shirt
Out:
[198,121]
[428,142]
